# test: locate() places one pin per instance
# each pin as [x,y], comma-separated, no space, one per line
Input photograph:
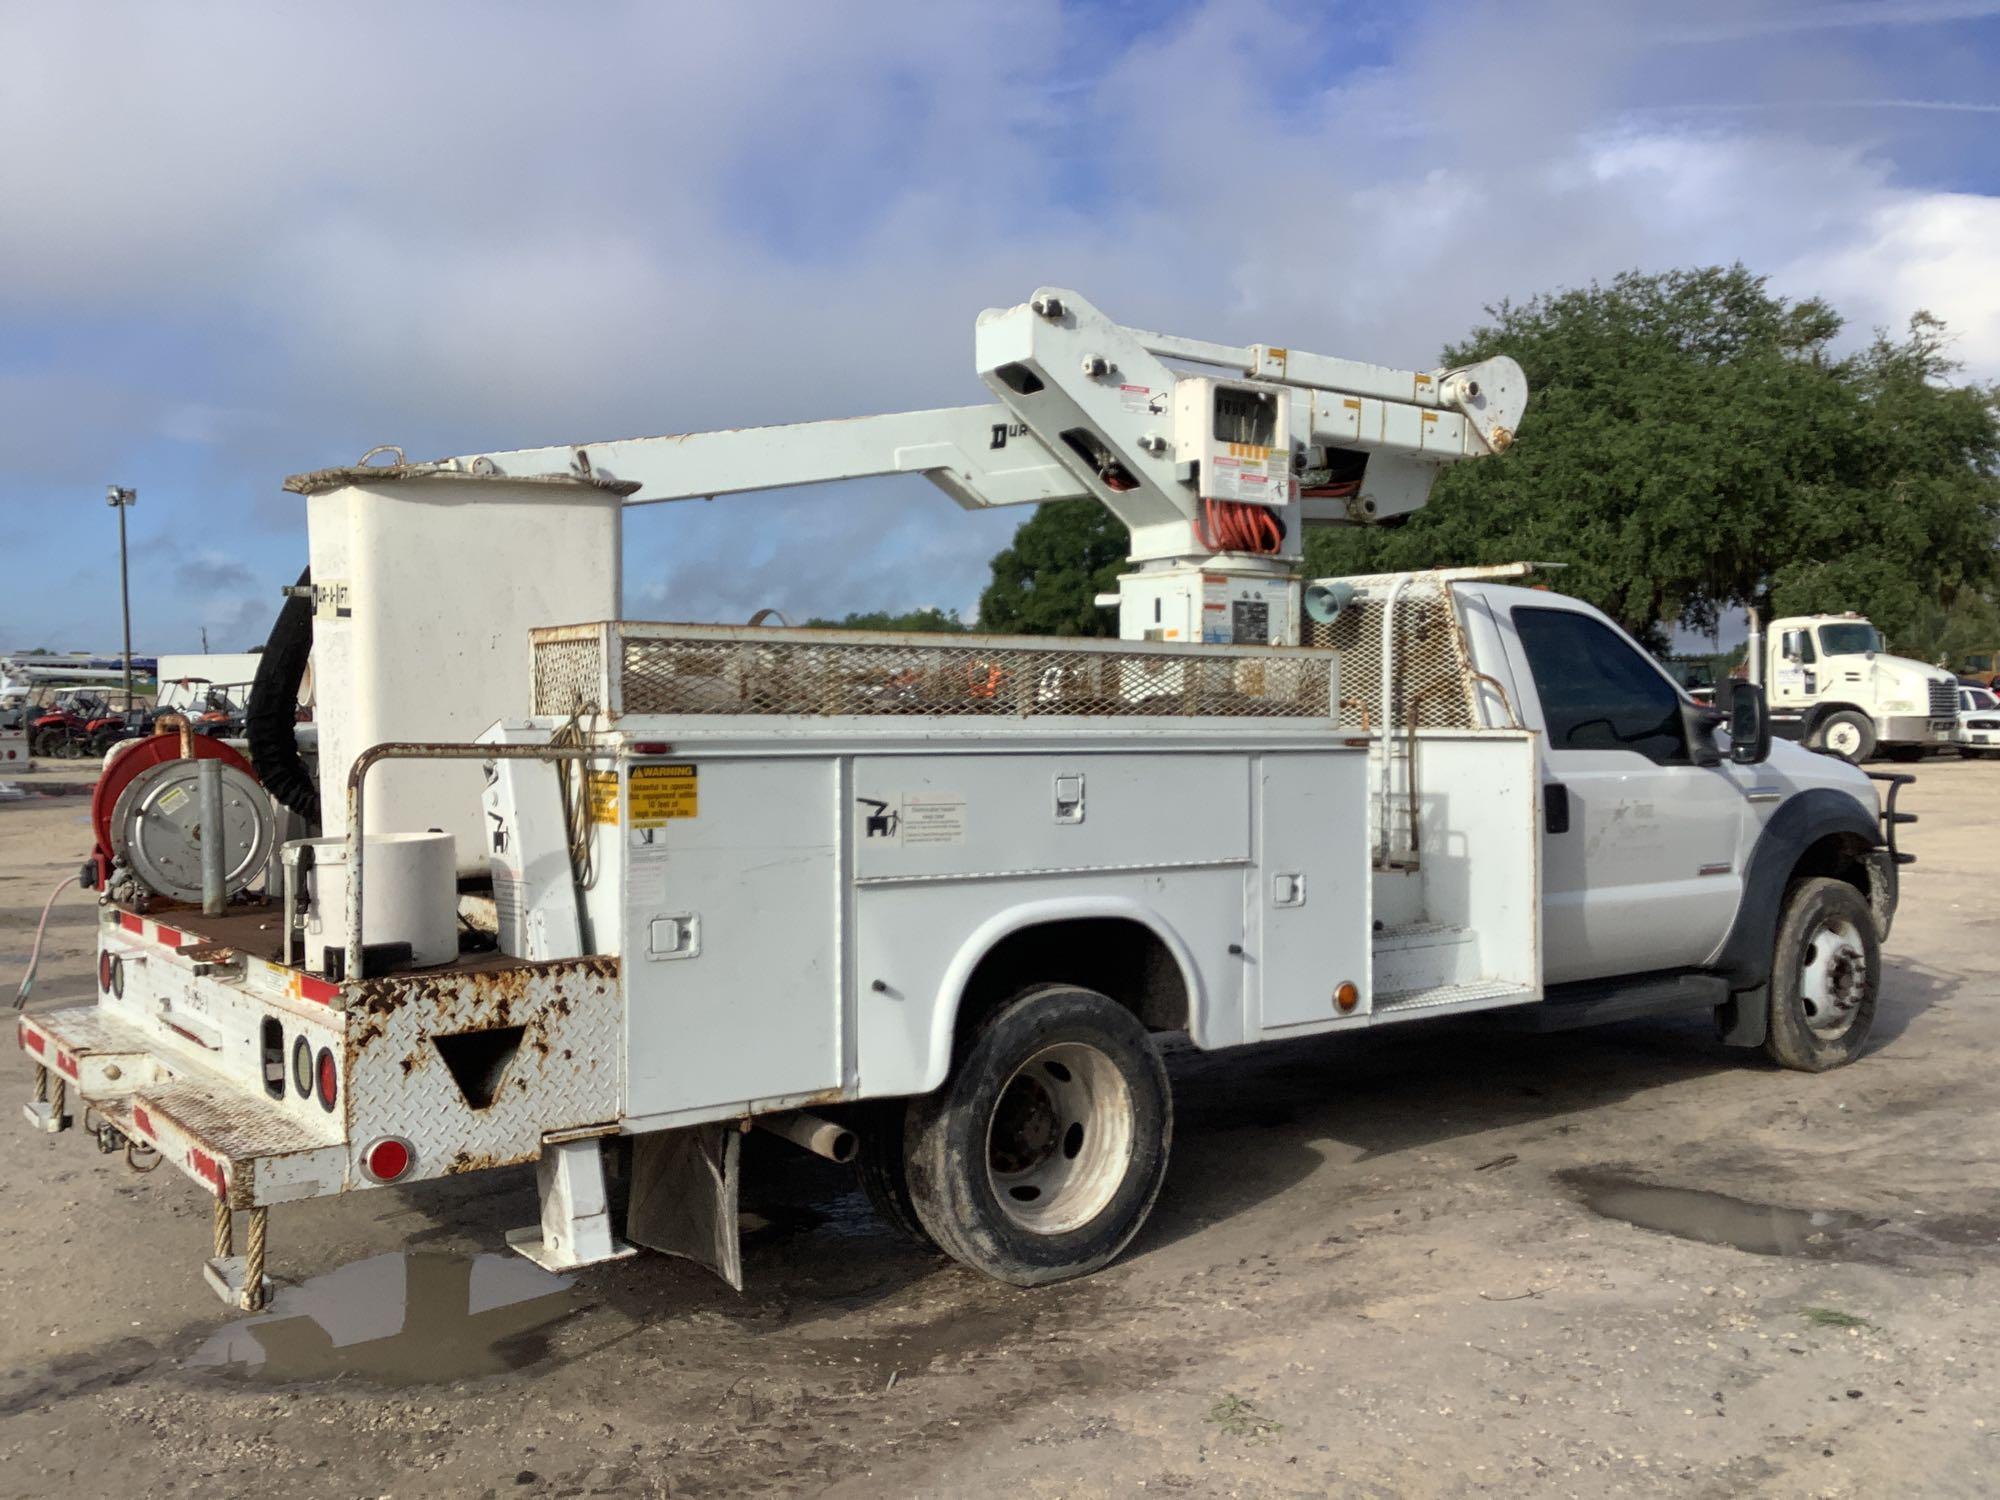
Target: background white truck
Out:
[923,902]
[1833,686]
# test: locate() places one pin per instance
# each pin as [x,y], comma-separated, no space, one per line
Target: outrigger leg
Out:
[239,1280]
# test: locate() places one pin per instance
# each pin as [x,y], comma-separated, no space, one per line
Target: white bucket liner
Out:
[409,895]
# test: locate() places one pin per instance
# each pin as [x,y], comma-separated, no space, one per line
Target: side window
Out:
[1807,654]
[1597,691]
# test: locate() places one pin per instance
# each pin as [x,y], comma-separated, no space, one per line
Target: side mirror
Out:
[1749,725]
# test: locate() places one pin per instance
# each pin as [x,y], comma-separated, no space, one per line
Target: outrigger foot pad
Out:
[576,1211]
[226,1276]
[43,1116]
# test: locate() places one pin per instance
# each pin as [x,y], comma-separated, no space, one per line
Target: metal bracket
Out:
[576,1212]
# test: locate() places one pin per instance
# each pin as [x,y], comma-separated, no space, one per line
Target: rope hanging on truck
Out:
[573,777]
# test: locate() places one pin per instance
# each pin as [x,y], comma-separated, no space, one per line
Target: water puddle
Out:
[395,1320]
[1718,1219]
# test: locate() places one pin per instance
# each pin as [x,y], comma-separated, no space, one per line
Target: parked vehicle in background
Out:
[1834,686]
[1978,722]
[1981,666]
[1695,674]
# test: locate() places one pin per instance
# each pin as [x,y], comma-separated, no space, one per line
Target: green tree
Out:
[1046,581]
[1691,446]
[933,620]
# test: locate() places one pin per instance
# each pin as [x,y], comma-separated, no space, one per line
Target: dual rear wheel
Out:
[1043,1153]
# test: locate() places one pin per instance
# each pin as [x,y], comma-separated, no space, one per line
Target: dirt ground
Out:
[1401,1265]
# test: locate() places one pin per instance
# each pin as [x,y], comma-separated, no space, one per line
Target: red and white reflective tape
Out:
[159,932]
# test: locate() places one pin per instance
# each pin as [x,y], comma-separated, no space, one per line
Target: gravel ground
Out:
[1427,1262]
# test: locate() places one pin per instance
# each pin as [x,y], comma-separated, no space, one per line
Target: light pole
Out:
[122,500]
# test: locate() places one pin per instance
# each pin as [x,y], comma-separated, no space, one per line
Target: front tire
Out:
[1846,734]
[1041,1157]
[1826,975]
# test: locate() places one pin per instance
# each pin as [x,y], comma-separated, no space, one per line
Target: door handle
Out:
[1555,807]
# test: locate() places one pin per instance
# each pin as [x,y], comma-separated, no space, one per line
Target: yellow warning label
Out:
[604,796]
[661,793]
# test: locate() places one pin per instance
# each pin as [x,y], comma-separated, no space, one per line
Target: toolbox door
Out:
[731,952]
[1309,894]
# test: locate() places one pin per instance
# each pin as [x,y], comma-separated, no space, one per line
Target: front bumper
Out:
[1915,729]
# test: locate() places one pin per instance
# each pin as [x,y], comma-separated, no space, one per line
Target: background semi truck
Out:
[1833,685]
[928,903]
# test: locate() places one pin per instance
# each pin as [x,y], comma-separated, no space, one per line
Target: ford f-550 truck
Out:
[926,902]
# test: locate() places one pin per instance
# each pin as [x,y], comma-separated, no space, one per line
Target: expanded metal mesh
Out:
[569,670]
[1433,681]
[668,669]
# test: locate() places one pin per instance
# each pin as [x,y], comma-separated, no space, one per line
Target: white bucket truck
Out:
[931,901]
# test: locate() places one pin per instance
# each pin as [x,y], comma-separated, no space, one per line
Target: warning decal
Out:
[933,818]
[662,793]
[604,796]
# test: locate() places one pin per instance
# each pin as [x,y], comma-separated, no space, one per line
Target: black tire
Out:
[1862,743]
[996,1120]
[1811,1034]
[43,746]
[879,1129]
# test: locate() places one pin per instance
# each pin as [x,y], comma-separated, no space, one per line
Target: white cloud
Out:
[460,228]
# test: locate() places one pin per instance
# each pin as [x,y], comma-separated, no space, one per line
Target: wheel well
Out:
[1819,713]
[1843,856]
[1116,956]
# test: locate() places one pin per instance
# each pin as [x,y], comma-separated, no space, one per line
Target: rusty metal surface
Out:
[318,481]
[629,667]
[565,1073]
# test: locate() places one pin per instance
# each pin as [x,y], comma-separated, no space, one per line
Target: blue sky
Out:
[239,241]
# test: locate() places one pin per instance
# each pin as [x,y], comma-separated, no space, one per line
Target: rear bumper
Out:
[234,1145]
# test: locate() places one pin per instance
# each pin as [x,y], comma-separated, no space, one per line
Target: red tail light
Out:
[329,1080]
[103,973]
[387,1159]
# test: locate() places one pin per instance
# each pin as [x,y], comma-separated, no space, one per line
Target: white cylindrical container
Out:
[409,894]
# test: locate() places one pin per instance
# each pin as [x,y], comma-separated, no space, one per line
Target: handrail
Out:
[421,750]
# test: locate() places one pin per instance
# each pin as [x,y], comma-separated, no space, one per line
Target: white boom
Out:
[1215,476]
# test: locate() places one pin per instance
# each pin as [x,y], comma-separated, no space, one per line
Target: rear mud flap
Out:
[684,1191]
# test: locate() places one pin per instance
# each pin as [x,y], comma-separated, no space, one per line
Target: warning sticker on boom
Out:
[662,793]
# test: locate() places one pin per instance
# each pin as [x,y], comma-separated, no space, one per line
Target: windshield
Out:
[1976,698]
[1848,640]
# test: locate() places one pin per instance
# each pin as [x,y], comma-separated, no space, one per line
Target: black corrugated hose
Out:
[269,724]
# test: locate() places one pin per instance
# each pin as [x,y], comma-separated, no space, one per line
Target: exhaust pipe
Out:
[821,1137]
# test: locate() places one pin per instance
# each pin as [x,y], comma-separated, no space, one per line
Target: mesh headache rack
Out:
[633,667]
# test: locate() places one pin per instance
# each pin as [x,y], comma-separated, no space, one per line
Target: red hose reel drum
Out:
[127,766]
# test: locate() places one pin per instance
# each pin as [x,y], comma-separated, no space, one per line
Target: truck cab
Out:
[1657,840]
[1834,686]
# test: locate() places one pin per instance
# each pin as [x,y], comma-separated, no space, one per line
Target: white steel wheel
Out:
[1060,1139]
[1042,1154]
[1848,735]
[1833,976]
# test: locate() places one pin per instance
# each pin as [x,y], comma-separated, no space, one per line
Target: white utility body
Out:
[930,899]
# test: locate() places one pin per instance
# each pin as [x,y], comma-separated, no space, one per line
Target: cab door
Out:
[1642,847]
